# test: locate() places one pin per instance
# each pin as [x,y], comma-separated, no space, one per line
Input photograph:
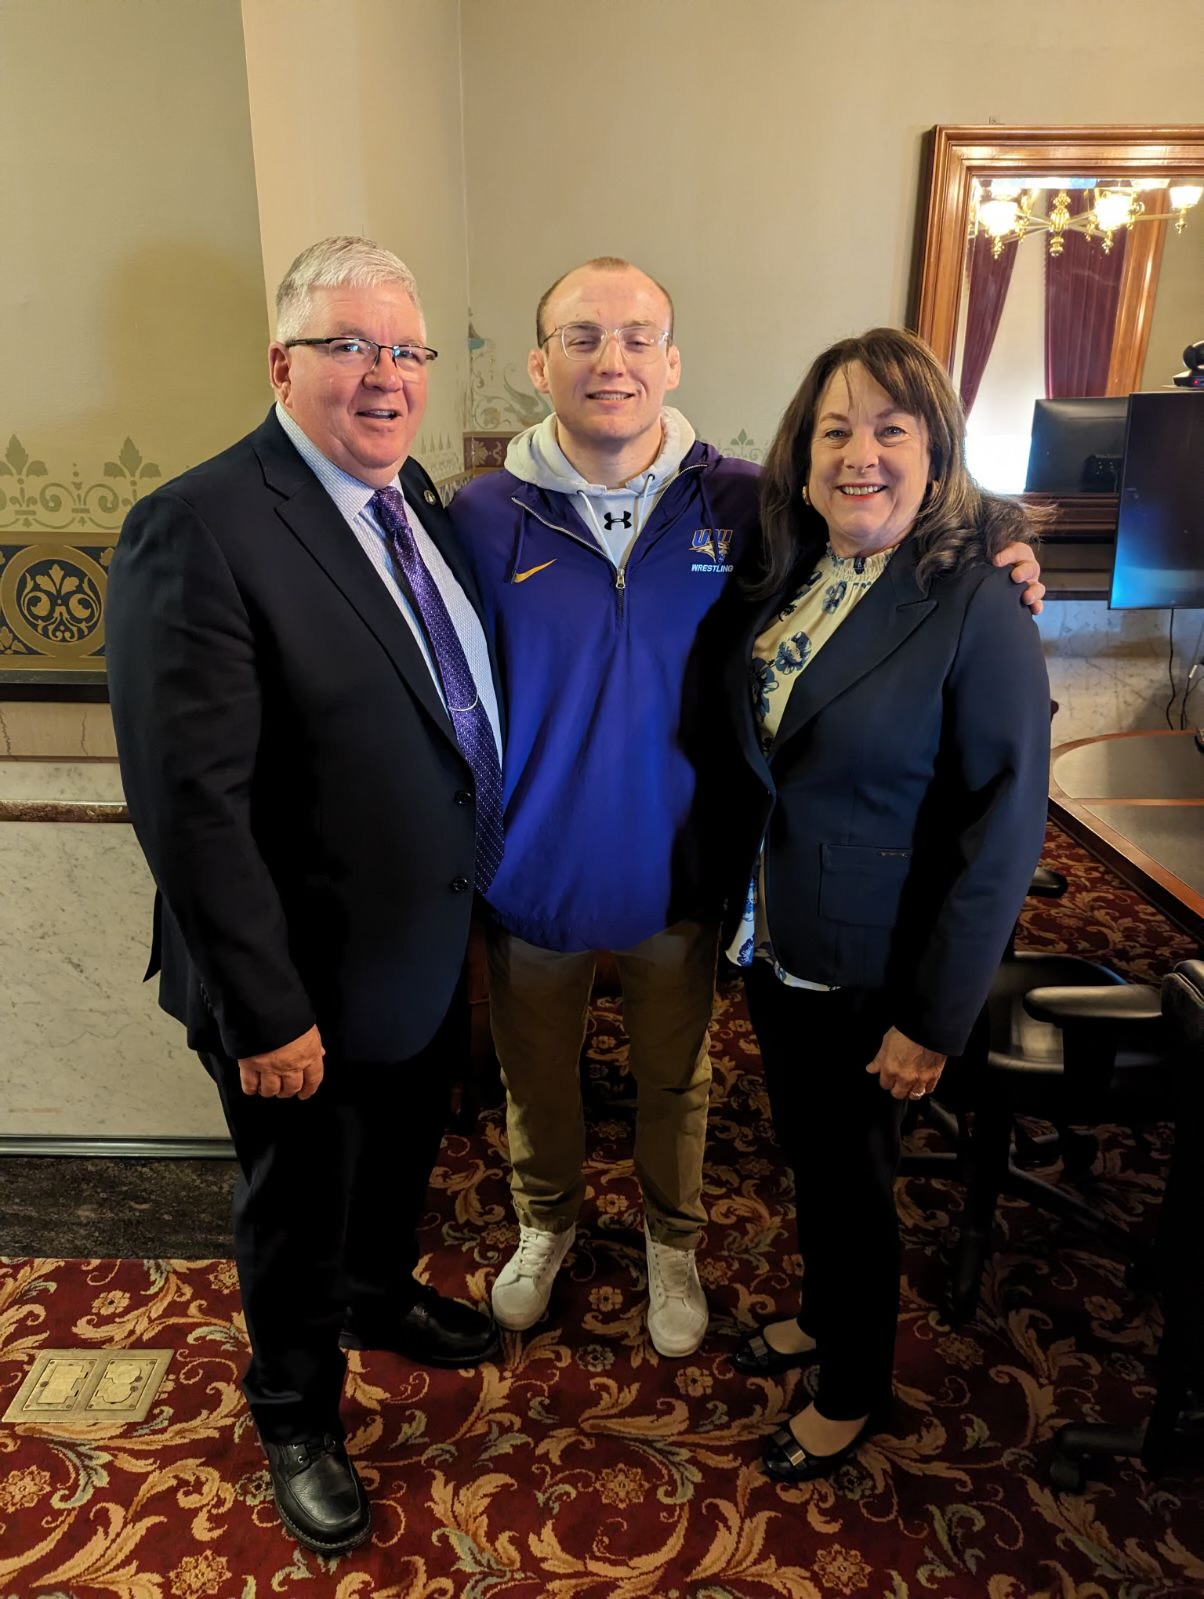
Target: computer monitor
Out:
[1077,445]
[1159,558]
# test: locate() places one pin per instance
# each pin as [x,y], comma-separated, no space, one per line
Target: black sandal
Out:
[755,1358]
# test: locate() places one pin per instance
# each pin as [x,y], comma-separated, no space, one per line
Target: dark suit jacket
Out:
[291,773]
[903,803]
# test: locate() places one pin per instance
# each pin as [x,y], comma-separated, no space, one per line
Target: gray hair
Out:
[335,263]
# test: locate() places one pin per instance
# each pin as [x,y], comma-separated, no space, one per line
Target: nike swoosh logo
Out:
[521,577]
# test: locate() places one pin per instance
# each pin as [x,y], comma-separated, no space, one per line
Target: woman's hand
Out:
[905,1069]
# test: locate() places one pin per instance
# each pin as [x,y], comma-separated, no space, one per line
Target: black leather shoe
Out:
[755,1357]
[434,1332]
[786,1460]
[319,1495]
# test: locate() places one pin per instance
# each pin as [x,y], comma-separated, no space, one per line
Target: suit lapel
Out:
[423,498]
[894,607]
[309,513]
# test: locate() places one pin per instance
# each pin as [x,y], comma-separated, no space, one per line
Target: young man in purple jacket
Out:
[600,552]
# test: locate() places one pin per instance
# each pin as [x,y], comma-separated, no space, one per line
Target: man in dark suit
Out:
[309,743]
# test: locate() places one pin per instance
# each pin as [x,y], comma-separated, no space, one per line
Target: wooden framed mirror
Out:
[959,162]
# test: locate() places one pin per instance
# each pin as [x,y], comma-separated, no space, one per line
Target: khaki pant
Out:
[538,1005]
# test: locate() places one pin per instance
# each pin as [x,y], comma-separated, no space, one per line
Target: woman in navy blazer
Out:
[892,711]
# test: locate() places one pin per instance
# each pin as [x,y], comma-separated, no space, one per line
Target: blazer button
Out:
[463,796]
[459,884]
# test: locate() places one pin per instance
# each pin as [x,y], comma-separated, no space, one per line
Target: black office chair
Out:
[1021,1068]
[1170,1023]
[1074,1148]
[1014,1067]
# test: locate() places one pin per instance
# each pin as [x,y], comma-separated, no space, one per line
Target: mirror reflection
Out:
[1075,291]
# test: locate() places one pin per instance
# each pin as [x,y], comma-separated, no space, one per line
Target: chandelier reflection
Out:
[1009,208]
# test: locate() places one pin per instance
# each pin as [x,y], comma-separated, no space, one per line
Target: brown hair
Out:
[600,263]
[958,522]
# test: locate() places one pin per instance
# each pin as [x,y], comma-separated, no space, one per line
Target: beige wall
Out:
[155,174]
[355,114]
[131,317]
[131,238]
[765,161]
[159,162]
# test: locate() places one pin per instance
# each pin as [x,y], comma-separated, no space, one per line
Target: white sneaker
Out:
[677,1306]
[522,1288]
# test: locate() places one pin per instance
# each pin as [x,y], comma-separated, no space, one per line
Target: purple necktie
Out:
[469,720]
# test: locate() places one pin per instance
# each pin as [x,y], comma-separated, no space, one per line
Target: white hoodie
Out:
[616,516]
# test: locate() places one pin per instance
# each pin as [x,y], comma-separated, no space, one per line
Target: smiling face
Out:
[607,406]
[870,464]
[363,423]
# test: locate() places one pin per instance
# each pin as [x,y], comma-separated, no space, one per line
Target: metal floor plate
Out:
[90,1385]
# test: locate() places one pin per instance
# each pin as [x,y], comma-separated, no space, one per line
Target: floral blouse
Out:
[787,647]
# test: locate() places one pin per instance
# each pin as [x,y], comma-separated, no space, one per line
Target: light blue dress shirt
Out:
[351,497]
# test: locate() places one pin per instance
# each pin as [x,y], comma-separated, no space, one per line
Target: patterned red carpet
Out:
[582,1466]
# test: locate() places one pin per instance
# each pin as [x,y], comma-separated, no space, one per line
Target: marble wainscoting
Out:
[1108,669]
[87,1059]
[53,730]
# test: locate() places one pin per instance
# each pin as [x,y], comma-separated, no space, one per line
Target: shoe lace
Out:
[306,1450]
[673,1270]
[535,1253]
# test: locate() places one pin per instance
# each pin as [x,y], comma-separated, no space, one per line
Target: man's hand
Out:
[294,1068]
[1026,569]
[904,1069]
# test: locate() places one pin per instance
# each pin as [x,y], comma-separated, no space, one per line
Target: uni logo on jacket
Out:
[715,542]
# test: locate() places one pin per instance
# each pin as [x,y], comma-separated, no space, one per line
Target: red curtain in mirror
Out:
[989,279]
[1082,294]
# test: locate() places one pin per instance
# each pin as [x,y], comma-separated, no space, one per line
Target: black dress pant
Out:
[330,1193]
[839,1131]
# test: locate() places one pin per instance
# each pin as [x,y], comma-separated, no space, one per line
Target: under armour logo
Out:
[610,519]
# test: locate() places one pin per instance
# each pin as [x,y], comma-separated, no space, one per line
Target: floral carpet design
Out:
[581,1465]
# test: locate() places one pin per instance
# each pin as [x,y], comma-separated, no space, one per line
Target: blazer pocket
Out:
[861,884]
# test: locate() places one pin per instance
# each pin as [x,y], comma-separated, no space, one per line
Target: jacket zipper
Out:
[590,544]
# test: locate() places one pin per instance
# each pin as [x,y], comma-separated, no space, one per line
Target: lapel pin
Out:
[429,496]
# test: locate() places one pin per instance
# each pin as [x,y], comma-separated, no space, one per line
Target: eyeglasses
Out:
[581,341]
[361,355]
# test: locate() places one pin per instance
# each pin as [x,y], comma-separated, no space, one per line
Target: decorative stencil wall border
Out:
[57,533]
[440,453]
